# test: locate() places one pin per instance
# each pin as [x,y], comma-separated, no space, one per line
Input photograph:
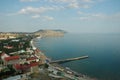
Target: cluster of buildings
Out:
[22,60]
[4,36]
[29,61]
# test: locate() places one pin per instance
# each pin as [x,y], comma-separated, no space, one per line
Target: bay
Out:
[103,51]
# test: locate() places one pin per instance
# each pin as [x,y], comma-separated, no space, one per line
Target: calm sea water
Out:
[103,51]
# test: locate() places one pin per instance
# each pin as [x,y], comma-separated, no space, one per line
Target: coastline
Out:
[65,69]
[36,65]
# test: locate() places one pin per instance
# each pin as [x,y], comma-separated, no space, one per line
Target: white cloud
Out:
[44,18]
[84,18]
[78,5]
[85,6]
[38,12]
[91,16]
[67,3]
[32,10]
[58,7]
[74,1]
[36,16]
[79,12]
[98,15]
[84,13]
[88,1]
[63,1]
[22,11]
[48,18]
[29,0]
[73,5]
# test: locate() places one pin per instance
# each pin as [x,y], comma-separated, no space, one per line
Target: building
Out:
[9,59]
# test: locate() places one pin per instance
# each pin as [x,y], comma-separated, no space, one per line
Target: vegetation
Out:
[23,43]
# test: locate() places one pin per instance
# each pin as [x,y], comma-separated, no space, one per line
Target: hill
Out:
[49,33]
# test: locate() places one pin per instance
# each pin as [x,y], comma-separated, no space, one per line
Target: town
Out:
[21,60]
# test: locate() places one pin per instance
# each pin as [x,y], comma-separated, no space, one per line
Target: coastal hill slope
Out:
[49,33]
[39,33]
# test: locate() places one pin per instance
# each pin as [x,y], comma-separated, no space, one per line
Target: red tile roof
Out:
[31,58]
[34,64]
[25,66]
[12,58]
[21,66]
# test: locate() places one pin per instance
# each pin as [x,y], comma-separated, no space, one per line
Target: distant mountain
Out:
[43,33]
[58,30]
[49,33]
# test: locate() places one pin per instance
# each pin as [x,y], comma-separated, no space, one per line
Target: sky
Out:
[78,16]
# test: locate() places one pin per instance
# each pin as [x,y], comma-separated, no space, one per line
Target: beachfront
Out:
[33,64]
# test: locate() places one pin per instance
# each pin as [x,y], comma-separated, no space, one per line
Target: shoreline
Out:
[61,68]
[40,66]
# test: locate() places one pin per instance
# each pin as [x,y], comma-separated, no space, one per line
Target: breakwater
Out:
[68,60]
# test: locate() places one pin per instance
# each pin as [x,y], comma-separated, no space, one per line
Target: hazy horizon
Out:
[76,16]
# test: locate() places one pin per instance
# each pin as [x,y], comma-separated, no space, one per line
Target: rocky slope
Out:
[49,33]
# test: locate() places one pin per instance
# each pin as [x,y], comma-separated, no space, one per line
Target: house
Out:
[25,66]
[21,67]
[8,47]
[12,59]
[3,55]
[9,59]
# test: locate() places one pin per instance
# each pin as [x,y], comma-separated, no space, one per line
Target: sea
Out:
[103,51]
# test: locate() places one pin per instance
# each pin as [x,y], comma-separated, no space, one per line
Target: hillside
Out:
[49,33]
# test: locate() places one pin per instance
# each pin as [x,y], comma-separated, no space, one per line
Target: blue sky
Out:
[79,16]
